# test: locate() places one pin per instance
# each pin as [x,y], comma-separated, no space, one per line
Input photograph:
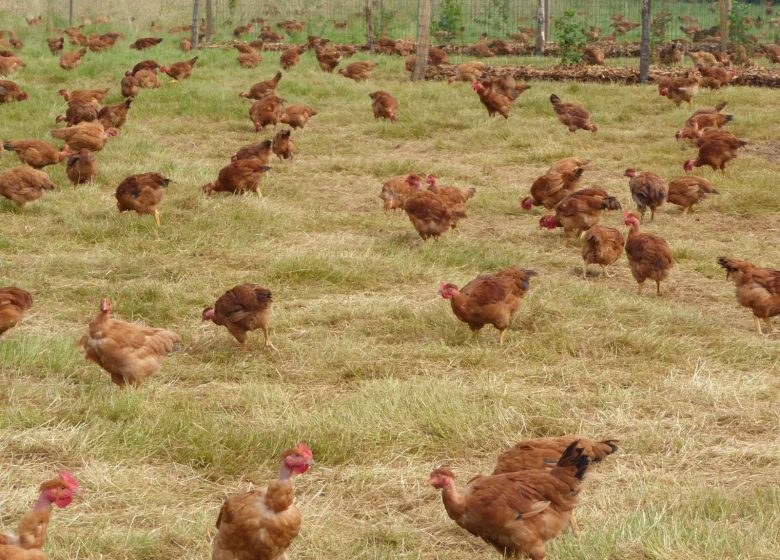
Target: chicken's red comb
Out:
[69,480]
[304,450]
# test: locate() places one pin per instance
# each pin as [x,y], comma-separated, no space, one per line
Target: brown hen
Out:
[243,308]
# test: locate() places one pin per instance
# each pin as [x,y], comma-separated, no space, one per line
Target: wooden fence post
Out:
[546,20]
[644,55]
[70,13]
[724,26]
[370,25]
[540,37]
[209,21]
[424,16]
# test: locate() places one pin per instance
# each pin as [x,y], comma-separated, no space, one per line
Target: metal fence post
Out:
[194,35]
[70,13]
[644,54]
[540,37]
[424,16]
[724,26]
[546,20]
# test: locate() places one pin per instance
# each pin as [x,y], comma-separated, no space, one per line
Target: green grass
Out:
[373,370]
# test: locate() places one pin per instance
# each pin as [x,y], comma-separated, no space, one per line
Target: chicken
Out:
[147,78]
[543,453]
[180,70]
[249,60]
[648,190]
[468,72]
[757,288]
[649,256]
[142,193]
[35,153]
[291,56]
[260,150]
[240,176]
[670,54]
[579,211]
[297,115]
[130,85]
[21,185]
[283,146]
[70,59]
[593,55]
[261,89]
[80,112]
[146,43]
[702,59]
[86,135]
[489,299]
[82,167]
[454,198]
[429,213]
[573,116]
[9,64]
[114,116]
[148,64]
[603,246]
[84,95]
[689,190]
[716,148]
[398,189]
[243,308]
[715,77]
[266,111]
[437,56]
[13,304]
[10,91]
[241,29]
[560,181]
[517,513]
[494,101]
[128,352]
[704,118]
[680,89]
[185,45]
[359,71]
[28,543]
[327,57]
[384,105]
[261,524]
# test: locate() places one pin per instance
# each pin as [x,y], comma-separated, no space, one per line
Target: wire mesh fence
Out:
[454,22]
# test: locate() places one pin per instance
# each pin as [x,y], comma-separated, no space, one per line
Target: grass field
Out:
[373,370]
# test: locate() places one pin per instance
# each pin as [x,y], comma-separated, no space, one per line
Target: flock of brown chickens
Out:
[530,497]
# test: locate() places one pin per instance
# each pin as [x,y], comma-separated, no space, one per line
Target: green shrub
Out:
[571,39]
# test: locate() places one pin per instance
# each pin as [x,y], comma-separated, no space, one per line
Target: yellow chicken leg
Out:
[268,343]
[501,337]
[639,289]
[584,271]
[157,216]
[768,322]
[758,325]
[574,526]
[606,272]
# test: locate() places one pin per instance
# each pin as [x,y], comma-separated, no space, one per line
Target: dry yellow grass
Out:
[373,371]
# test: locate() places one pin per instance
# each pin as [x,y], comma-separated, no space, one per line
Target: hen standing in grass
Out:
[489,299]
[571,115]
[82,167]
[243,308]
[689,190]
[648,191]
[238,177]
[129,353]
[261,524]
[14,302]
[384,105]
[21,185]
[28,543]
[142,193]
[560,181]
[519,512]
[757,288]
[649,256]
[180,70]
[35,153]
[603,246]
[579,211]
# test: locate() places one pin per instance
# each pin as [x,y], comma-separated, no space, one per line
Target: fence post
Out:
[209,21]
[540,37]
[370,25]
[724,26]
[70,13]
[194,35]
[423,39]
[644,54]
[547,20]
